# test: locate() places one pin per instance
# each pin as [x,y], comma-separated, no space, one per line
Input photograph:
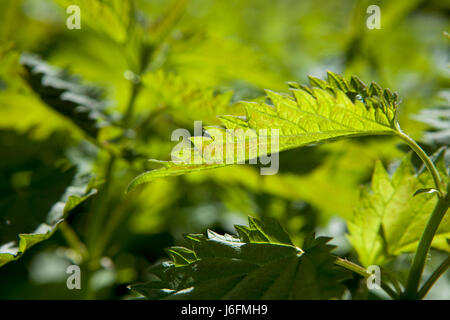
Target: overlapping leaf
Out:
[261,264]
[390,219]
[325,111]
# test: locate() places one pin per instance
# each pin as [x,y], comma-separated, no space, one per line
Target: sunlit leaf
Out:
[391,217]
[323,112]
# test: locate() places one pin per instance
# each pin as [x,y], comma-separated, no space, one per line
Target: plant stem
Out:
[72,239]
[412,285]
[115,219]
[389,291]
[351,266]
[415,274]
[424,157]
[434,277]
[129,110]
[362,272]
[100,209]
[394,282]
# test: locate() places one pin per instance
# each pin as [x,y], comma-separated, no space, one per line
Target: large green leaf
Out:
[325,111]
[390,218]
[38,188]
[261,264]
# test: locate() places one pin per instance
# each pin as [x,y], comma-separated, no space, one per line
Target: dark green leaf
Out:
[261,264]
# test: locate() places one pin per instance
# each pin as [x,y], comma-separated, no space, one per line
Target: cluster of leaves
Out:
[388,222]
[161,67]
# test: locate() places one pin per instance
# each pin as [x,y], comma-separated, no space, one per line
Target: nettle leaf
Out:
[262,263]
[327,110]
[390,218]
[109,17]
[38,190]
[80,103]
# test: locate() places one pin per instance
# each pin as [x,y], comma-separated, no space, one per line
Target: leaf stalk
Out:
[363,272]
[434,277]
[424,157]
[415,274]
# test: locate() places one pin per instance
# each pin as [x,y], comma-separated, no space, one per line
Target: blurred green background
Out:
[205,56]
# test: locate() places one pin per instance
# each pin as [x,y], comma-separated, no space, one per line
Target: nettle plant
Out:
[400,213]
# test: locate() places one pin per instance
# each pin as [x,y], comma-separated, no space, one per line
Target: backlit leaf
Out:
[391,217]
[323,112]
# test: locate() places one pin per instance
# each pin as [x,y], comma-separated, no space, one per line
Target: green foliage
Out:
[147,67]
[389,219]
[325,111]
[261,264]
[186,100]
[38,190]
